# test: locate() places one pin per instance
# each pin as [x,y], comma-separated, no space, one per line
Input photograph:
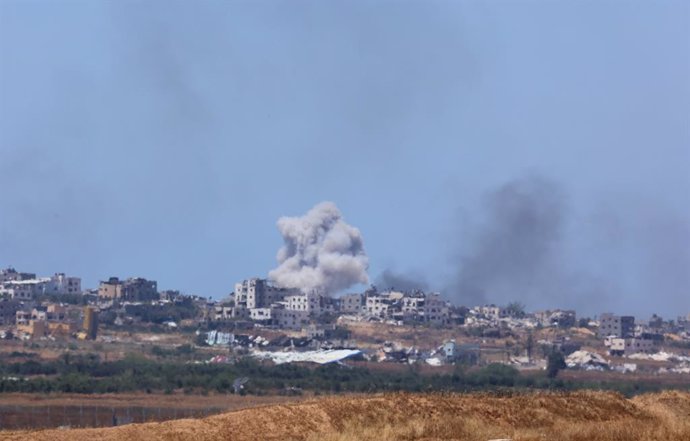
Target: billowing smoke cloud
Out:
[407,282]
[515,251]
[321,252]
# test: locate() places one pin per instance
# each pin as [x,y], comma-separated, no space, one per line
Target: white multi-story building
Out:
[27,289]
[61,284]
[298,302]
[258,293]
[24,289]
[491,312]
[290,318]
[377,305]
[314,304]
[261,315]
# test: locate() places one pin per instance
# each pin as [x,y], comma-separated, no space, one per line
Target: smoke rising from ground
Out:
[320,253]
[514,253]
[530,247]
[390,279]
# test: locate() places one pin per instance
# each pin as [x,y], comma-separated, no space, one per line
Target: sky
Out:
[164,139]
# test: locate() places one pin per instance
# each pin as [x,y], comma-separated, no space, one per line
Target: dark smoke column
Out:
[321,253]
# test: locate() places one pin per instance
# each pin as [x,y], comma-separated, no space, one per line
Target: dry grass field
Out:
[580,416]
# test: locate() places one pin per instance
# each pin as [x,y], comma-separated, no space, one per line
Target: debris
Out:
[586,360]
[433,361]
[320,357]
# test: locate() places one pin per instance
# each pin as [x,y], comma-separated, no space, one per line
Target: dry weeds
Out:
[591,416]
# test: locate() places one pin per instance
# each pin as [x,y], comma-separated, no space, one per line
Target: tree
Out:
[529,346]
[200,339]
[515,309]
[555,363]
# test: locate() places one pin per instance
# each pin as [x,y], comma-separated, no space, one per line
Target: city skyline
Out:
[164,141]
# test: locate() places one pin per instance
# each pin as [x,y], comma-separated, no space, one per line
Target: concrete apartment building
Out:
[289,318]
[378,306]
[62,284]
[491,312]
[352,303]
[258,300]
[21,289]
[17,286]
[410,308]
[131,290]
[314,304]
[628,346]
[12,275]
[435,310]
[384,304]
[412,304]
[616,326]
[258,293]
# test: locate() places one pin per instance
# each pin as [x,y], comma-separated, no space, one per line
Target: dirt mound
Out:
[573,416]
[669,407]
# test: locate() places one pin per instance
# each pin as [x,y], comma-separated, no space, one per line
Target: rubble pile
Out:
[590,361]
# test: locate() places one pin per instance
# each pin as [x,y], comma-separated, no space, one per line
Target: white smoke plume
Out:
[321,252]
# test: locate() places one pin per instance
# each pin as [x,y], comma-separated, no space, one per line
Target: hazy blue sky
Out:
[164,139]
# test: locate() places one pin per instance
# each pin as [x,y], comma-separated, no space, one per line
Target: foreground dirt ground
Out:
[225,401]
[574,416]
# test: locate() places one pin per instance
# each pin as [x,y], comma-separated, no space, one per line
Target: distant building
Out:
[449,350]
[12,275]
[656,322]
[378,305]
[313,304]
[261,315]
[491,312]
[616,326]
[351,303]
[436,311]
[22,317]
[278,315]
[222,313]
[55,312]
[411,305]
[258,293]
[131,290]
[290,318]
[22,288]
[628,346]
[61,284]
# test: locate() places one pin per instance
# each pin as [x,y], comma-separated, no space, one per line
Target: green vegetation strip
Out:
[89,374]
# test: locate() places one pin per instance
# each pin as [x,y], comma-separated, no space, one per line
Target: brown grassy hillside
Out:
[581,416]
